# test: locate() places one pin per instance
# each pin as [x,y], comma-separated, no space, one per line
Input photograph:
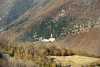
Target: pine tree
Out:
[35,57]
[21,55]
[39,59]
[14,45]
[54,64]
[5,47]
[49,61]
[15,55]
[8,48]
[42,63]
[11,50]
[42,51]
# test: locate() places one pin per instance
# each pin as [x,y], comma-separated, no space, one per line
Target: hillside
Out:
[86,41]
[15,9]
[74,23]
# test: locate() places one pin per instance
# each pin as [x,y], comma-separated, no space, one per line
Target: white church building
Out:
[48,40]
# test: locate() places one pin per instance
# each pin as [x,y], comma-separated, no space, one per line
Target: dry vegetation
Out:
[35,55]
[76,61]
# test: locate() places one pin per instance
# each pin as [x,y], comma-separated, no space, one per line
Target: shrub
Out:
[1,56]
[97,64]
[11,54]
[82,66]
[5,48]
[92,65]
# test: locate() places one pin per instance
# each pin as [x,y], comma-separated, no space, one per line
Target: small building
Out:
[45,40]
[40,38]
[63,10]
[51,39]
[48,40]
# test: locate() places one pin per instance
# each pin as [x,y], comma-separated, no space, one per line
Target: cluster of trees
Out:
[43,30]
[48,26]
[38,53]
[29,51]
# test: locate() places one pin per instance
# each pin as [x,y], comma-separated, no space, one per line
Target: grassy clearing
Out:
[76,61]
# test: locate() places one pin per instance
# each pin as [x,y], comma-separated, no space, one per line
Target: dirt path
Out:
[76,61]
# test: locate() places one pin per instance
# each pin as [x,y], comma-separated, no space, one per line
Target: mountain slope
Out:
[87,41]
[18,9]
[73,22]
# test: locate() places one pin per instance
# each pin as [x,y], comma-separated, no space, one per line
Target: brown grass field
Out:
[76,61]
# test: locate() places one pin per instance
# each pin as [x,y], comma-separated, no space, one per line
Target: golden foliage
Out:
[15,55]
[14,45]
[11,50]
[54,64]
